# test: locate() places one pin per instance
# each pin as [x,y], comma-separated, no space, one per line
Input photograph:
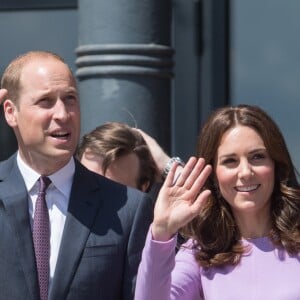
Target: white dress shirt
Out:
[57,198]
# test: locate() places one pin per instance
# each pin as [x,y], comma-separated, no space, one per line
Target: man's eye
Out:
[70,98]
[44,102]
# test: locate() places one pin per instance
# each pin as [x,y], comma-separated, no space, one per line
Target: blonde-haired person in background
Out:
[127,155]
[119,152]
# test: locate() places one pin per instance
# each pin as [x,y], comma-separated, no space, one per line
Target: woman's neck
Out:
[256,226]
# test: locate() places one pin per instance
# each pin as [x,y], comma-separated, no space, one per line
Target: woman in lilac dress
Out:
[239,207]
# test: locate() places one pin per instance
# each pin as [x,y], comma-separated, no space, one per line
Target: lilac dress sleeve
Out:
[265,272]
[158,269]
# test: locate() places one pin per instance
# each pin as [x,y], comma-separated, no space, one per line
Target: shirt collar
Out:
[62,179]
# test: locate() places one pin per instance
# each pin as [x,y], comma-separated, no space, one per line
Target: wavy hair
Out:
[113,140]
[215,231]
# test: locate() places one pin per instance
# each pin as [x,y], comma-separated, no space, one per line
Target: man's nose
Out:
[61,112]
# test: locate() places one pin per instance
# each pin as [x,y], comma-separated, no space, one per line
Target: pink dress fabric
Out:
[265,273]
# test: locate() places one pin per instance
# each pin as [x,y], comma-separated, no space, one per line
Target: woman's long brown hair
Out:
[215,232]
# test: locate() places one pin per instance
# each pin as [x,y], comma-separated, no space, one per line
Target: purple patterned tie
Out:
[41,237]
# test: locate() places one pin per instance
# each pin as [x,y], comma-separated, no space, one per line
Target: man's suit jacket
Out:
[103,237]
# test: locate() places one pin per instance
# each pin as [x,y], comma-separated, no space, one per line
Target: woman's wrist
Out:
[160,233]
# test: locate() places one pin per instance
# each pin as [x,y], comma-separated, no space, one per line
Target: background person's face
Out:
[47,118]
[124,170]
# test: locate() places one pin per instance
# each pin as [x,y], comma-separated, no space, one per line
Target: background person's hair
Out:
[113,140]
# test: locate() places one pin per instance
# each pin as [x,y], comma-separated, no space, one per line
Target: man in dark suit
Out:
[97,226]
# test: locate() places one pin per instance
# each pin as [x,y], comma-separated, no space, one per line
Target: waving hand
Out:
[180,199]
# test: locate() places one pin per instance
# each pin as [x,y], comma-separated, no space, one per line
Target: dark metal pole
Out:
[124,64]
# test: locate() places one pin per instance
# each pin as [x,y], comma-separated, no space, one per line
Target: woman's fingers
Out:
[199,180]
[198,174]
[179,202]
[198,203]
[193,175]
[187,170]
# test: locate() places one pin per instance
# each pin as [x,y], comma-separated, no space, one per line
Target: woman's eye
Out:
[258,156]
[228,161]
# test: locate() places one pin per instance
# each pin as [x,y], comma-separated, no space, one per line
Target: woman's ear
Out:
[10,110]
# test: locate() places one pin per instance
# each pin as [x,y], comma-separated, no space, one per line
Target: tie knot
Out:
[44,183]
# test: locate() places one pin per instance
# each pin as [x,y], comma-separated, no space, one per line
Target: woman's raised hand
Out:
[180,199]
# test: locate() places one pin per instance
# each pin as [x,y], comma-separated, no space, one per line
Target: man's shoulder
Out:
[6,166]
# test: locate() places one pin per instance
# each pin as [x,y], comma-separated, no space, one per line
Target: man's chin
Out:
[61,154]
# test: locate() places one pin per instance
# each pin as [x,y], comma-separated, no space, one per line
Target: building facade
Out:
[164,66]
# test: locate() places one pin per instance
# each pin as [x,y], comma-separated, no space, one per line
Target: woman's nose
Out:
[245,170]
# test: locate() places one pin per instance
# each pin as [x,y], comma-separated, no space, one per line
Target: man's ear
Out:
[3,94]
[10,110]
[145,186]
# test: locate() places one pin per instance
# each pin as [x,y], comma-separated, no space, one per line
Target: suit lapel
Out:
[83,208]
[15,200]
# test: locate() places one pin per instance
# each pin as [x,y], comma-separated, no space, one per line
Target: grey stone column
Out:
[124,64]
